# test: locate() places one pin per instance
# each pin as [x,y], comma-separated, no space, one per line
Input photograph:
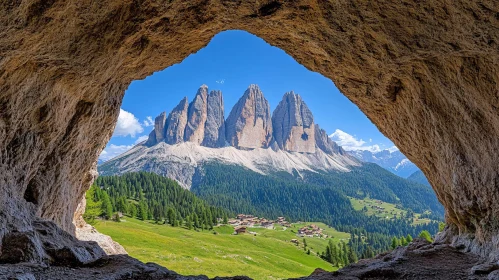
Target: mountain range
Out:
[195,133]
[223,160]
[393,161]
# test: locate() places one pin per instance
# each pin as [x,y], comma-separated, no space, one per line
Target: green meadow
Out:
[264,254]
[390,210]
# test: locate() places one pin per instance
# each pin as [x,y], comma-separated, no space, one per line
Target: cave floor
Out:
[419,260]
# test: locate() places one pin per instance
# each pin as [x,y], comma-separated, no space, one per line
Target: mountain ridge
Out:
[195,133]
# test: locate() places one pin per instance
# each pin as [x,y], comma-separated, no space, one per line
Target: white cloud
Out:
[351,143]
[127,124]
[141,138]
[221,81]
[148,121]
[114,150]
[393,149]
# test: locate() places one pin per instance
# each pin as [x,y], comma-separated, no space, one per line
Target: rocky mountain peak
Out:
[159,127]
[249,124]
[214,132]
[293,125]
[325,143]
[196,116]
[176,123]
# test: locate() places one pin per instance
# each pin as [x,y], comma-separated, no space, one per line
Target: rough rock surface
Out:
[214,131]
[151,139]
[419,260]
[176,123]
[249,124]
[117,267]
[426,73]
[89,233]
[86,232]
[325,143]
[293,125]
[196,116]
[159,127]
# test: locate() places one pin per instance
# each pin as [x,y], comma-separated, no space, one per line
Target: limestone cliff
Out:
[159,127]
[176,123]
[249,124]
[214,130]
[325,143]
[293,125]
[196,116]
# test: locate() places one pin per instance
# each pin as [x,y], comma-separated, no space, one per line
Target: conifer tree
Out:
[107,207]
[409,238]
[395,242]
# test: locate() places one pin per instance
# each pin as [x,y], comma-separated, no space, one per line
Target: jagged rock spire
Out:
[249,124]
[293,125]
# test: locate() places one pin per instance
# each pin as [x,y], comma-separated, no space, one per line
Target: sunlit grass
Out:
[268,255]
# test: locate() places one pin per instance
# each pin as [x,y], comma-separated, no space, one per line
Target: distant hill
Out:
[419,177]
[395,162]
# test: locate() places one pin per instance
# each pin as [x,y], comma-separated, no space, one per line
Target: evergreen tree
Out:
[403,241]
[395,242]
[93,208]
[142,213]
[352,256]
[170,214]
[195,220]
[107,207]
[304,244]
[409,238]
[188,223]
[426,235]
[334,254]
[133,210]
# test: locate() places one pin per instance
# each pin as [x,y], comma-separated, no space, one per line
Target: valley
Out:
[197,170]
[268,255]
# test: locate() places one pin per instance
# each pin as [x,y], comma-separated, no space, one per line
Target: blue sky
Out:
[231,62]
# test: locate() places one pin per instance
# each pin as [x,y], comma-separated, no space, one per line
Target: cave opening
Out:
[242,107]
[434,96]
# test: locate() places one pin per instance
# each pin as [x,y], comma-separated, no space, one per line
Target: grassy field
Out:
[390,210]
[268,255]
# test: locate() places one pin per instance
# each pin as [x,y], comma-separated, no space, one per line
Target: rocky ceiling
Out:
[425,72]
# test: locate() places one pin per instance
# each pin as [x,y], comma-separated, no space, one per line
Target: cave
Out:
[425,73]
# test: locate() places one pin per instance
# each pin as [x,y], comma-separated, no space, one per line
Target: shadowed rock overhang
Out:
[425,73]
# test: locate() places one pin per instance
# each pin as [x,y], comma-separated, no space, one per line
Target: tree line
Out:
[148,196]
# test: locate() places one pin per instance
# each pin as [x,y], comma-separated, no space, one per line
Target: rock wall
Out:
[176,122]
[293,125]
[214,131]
[426,73]
[249,124]
[196,117]
[159,127]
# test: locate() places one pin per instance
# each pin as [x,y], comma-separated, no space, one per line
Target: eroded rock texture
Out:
[249,124]
[159,127]
[426,73]
[325,143]
[196,116]
[293,125]
[176,122]
[419,260]
[214,130]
